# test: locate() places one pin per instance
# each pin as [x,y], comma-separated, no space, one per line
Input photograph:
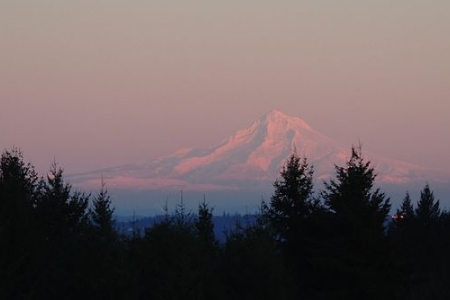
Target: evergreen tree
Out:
[182,219]
[427,210]
[291,215]
[16,179]
[406,208]
[360,264]
[106,268]
[403,235]
[351,197]
[205,225]
[62,212]
[208,267]
[19,245]
[102,215]
[429,244]
[64,226]
[292,200]
[405,215]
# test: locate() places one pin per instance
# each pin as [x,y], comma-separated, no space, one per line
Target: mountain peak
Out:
[276,114]
[278,117]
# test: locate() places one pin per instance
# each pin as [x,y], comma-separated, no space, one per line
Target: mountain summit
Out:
[251,157]
[254,153]
[279,118]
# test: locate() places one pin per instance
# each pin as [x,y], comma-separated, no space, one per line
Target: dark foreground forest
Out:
[341,243]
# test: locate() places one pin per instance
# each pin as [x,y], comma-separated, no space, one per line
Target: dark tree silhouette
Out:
[292,201]
[361,263]
[61,212]
[105,260]
[406,209]
[351,197]
[18,237]
[424,242]
[16,177]
[298,221]
[64,225]
[102,215]
[427,210]
[404,216]
[205,225]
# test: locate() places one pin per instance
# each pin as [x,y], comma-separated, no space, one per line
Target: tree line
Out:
[341,243]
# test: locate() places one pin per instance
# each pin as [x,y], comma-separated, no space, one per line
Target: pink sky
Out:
[103,83]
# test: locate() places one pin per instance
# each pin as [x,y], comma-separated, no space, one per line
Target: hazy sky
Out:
[103,83]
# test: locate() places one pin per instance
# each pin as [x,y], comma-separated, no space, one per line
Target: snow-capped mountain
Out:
[252,157]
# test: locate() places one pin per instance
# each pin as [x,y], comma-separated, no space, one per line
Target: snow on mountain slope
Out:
[251,157]
[255,153]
